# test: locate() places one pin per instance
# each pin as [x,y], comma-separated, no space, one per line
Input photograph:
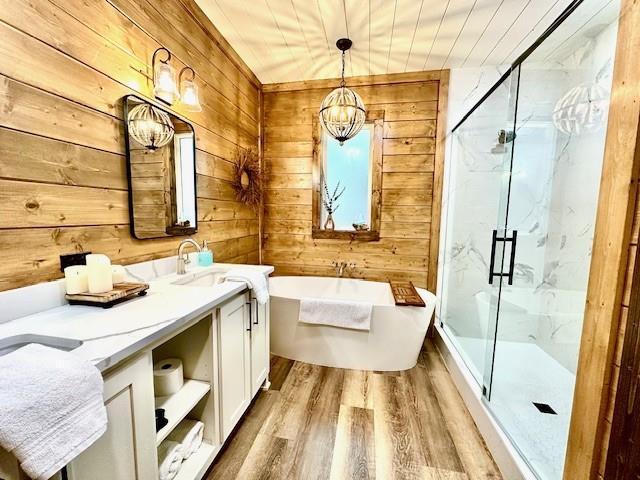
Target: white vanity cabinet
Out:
[225,356]
[243,356]
[234,362]
[127,449]
[259,344]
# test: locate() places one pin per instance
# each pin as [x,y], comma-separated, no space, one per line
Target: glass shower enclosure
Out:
[522,191]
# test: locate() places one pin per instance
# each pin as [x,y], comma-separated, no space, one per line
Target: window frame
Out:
[376,118]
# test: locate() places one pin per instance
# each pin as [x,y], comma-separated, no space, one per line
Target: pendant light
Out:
[583,109]
[189,91]
[164,77]
[342,112]
[149,126]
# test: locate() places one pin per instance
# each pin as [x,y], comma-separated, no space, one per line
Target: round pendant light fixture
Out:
[342,112]
[149,126]
[583,109]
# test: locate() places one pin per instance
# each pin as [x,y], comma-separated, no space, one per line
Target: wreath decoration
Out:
[248,179]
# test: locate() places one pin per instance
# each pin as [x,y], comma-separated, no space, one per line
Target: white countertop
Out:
[111,335]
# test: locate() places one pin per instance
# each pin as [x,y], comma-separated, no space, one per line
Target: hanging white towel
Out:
[170,456]
[51,408]
[188,433]
[336,313]
[257,281]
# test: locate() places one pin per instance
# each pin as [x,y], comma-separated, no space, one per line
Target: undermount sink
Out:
[209,279]
[8,345]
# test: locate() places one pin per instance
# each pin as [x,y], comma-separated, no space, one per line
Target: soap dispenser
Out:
[205,256]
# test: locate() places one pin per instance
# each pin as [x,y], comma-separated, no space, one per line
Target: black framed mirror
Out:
[161,164]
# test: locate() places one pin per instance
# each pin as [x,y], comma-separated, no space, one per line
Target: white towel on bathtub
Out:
[336,313]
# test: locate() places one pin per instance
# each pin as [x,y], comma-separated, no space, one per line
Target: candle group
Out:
[97,276]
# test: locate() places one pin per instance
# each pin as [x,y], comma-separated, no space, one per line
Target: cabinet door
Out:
[259,345]
[128,448]
[234,362]
[9,467]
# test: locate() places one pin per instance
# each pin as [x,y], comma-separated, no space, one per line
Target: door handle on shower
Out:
[492,261]
[512,258]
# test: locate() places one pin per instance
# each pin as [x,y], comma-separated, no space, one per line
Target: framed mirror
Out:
[161,160]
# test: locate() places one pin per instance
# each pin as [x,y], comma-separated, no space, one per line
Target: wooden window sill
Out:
[351,235]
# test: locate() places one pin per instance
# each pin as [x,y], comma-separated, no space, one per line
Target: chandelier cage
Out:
[583,109]
[149,126]
[342,112]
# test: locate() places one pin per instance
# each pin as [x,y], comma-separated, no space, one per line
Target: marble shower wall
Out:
[554,189]
[561,218]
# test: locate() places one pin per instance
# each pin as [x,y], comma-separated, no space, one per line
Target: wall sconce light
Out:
[164,77]
[189,90]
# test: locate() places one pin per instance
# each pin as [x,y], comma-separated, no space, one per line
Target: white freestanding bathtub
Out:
[393,342]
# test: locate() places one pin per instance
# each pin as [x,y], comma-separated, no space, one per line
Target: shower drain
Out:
[544,408]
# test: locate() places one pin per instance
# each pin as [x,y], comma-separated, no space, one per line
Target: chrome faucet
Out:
[341,267]
[183,260]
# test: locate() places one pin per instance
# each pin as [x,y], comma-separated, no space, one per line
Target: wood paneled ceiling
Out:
[291,40]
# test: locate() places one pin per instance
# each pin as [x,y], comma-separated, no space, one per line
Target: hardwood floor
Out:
[326,423]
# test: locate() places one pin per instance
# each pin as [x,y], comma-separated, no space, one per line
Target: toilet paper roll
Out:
[167,377]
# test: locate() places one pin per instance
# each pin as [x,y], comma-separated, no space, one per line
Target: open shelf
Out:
[178,405]
[197,464]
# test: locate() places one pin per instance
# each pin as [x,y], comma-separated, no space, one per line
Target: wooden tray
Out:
[405,294]
[120,293]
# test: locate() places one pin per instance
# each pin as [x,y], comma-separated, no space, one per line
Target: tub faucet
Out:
[183,260]
[341,267]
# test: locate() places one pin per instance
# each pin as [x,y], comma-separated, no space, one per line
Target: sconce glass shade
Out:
[189,96]
[164,82]
[582,109]
[150,127]
[342,114]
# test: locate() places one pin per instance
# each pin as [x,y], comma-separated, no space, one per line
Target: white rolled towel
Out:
[170,456]
[188,433]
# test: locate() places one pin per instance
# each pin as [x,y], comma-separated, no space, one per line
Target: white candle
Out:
[97,259]
[100,278]
[118,273]
[75,279]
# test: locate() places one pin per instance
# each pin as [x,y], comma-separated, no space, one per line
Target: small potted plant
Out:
[329,201]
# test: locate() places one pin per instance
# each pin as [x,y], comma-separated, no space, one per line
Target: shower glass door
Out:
[479,171]
[561,117]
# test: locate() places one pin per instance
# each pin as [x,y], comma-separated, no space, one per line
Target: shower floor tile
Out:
[524,374]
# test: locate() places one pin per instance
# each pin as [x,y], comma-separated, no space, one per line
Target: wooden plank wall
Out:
[410,103]
[64,67]
[617,357]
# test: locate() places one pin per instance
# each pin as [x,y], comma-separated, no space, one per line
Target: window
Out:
[347,180]
[184,165]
